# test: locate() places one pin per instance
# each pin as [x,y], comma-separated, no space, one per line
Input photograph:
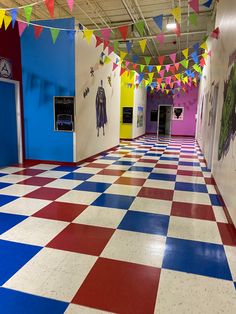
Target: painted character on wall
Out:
[101,111]
[228,119]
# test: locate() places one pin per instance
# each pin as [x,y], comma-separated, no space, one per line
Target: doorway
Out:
[10,123]
[164,120]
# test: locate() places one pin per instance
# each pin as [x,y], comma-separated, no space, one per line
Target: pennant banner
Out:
[176,12]
[194,4]
[7,21]
[13,13]
[142,44]
[50,6]
[28,12]
[37,31]
[54,33]
[70,4]
[159,21]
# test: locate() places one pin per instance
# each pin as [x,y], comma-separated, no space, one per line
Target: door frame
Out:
[168,105]
[18,117]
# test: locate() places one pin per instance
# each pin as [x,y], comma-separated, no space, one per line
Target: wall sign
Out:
[64,113]
[5,68]
[127,114]
[178,113]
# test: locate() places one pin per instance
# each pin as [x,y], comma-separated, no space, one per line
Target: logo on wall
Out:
[5,68]
[178,113]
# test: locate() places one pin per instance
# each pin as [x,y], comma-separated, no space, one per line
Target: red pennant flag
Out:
[172,69]
[194,4]
[122,71]
[124,31]
[202,62]
[110,50]
[105,44]
[37,31]
[216,33]
[177,66]
[135,66]
[99,41]
[50,6]
[177,30]
[114,66]
[159,80]
[161,59]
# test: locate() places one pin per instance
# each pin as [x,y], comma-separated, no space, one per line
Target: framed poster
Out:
[154,115]
[140,117]
[5,68]
[178,113]
[127,114]
[64,113]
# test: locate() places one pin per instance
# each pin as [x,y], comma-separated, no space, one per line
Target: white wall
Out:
[140,100]
[87,142]
[217,72]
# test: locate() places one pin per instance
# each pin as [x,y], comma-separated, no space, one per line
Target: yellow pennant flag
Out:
[7,21]
[185,79]
[150,75]
[205,55]
[185,53]
[204,45]
[176,12]
[142,44]
[158,68]
[177,76]
[146,83]
[2,14]
[167,91]
[195,80]
[123,54]
[88,35]
[107,60]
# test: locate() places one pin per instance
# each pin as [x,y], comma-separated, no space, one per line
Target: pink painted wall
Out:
[187,126]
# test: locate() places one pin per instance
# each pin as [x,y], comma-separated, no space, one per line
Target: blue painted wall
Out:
[48,71]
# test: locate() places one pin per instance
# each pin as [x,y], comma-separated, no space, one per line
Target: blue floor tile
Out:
[123,163]
[2,174]
[16,302]
[169,158]
[4,185]
[153,154]
[77,176]
[215,200]
[189,163]
[142,169]
[7,221]
[145,222]
[188,151]
[93,187]
[13,256]
[109,158]
[114,201]
[235,285]
[195,257]
[162,176]
[5,199]
[65,168]
[204,169]
[191,187]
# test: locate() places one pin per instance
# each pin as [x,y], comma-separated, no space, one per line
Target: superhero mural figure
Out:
[101,111]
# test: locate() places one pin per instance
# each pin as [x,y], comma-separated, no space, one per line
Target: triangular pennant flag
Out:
[184,63]
[21,27]
[28,11]
[173,57]
[13,16]
[110,50]
[131,75]
[71,35]
[99,41]
[124,31]
[54,33]
[37,31]
[142,44]
[116,46]
[216,33]
[159,80]
[161,38]
[147,60]
[167,67]
[2,14]
[194,56]
[177,66]
[162,73]
[172,69]
[207,4]
[7,21]
[105,44]
[88,35]
[127,63]
[161,59]
[150,68]
[176,12]
[193,18]
[194,4]
[140,78]
[129,46]
[135,58]
[177,76]
[122,71]
[168,80]
[123,54]
[142,67]
[140,27]
[159,21]
[163,85]
[196,47]
[106,33]
[50,6]
[107,60]
[185,53]
[70,4]
[204,45]
[158,68]
[114,66]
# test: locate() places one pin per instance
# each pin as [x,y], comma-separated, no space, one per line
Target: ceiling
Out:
[98,14]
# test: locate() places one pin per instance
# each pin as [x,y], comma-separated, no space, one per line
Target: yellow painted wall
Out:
[126,100]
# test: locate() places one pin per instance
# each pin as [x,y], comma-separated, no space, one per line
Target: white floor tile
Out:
[18,189]
[190,179]
[79,197]
[136,174]
[10,169]
[103,178]
[64,184]
[121,189]
[219,214]
[160,184]
[52,174]
[13,178]
[150,205]
[192,197]
[230,252]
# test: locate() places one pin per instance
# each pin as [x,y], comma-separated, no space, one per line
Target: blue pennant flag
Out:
[196,47]
[140,78]
[150,68]
[135,58]
[159,21]
[129,46]
[71,35]
[194,56]
[153,84]
[13,16]
[208,3]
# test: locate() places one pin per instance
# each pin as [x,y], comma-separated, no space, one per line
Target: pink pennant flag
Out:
[106,33]
[110,50]
[173,57]
[168,80]
[21,27]
[70,4]
[114,66]
[177,66]
[167,67]
[194,4]
[216,33]
[161,38]
[127,64]
[162,72]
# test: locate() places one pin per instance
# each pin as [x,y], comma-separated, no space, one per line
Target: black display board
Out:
[64,113]
[154,115]
[127,114]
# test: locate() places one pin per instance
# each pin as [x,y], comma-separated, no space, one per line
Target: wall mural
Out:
[228,118]
[101,111]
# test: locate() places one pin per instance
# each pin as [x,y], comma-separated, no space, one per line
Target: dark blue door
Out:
[8,125]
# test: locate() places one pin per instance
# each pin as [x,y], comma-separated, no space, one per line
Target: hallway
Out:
[143,224]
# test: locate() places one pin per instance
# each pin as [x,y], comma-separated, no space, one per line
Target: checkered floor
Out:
[140,229]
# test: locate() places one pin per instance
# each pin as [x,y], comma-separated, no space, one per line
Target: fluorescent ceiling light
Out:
[171,26]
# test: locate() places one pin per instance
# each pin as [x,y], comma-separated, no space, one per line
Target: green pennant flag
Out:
[150,75]
[142,66]
[184,63]
[116,46]
[54,32]
[131,75]
[28,11]
[147,60]
[140,27]
[193,19]
[163,85]
[197,68]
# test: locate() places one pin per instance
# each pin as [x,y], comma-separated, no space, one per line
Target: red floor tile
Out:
[156,193]
[37,181]
[190,173]
[171,153]
[188,156]
[192,211]
[131,181]
[111,172]
[29,172]
[97,165]
[61,211]
[228,233]
[50,194]
[210,181]
[82,239]
[119,287]
[133,156]
[152,161]
[166,166]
